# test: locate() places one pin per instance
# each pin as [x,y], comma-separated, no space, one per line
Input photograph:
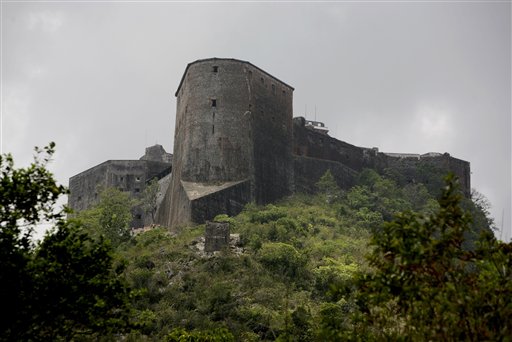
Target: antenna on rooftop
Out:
[315,112]
[306,111]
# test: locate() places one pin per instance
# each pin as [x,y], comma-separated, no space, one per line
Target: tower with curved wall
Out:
[232,141]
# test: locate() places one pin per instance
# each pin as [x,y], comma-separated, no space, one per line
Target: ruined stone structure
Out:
[125,175]
[236,141]
[216,236]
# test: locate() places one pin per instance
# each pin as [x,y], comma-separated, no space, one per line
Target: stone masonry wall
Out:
[429,168]
[271,107]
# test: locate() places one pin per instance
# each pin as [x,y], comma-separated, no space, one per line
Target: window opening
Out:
[213,129]
[214,102]
[215,69]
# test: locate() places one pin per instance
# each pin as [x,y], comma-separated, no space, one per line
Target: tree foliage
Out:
[110,217]
[217,335]
[426,286]
[327,186]
[64,285]
[149,199]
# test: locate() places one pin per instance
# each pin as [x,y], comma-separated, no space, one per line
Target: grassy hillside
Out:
[290,273]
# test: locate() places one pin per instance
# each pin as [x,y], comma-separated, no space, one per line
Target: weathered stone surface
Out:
[313,149]
[216,236]
[157,153]
[126,175]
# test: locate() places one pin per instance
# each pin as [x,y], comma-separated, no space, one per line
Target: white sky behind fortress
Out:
[98,78]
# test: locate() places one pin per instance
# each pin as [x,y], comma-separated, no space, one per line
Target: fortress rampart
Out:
[405,168]
[236,142]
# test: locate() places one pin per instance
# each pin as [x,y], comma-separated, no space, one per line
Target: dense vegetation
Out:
[64,287]
[376,262]
[300,270]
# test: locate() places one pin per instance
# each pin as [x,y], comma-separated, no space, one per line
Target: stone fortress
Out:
[236,142]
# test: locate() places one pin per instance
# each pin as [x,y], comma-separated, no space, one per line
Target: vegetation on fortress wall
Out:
[376,262]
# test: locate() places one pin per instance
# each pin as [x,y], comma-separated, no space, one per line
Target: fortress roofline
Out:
[110,161]
[113,161]
[226,59]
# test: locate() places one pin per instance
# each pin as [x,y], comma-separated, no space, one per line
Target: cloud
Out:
[34,71]
[15,109]
[434,122]
[46,21]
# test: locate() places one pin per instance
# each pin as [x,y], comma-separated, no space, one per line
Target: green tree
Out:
[115,215]
[111,217]
[63,286]
[27,197]
[283,259]
[426,286]
[150,198]
[328,187]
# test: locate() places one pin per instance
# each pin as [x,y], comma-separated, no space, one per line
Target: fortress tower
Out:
[232,141]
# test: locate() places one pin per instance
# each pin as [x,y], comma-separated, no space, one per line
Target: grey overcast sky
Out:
[98,78]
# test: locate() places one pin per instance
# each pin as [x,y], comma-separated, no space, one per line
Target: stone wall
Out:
[309,170]
[428,169]
[271,106]
[405,168]
[126,175]
[314,144]
[229,200]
